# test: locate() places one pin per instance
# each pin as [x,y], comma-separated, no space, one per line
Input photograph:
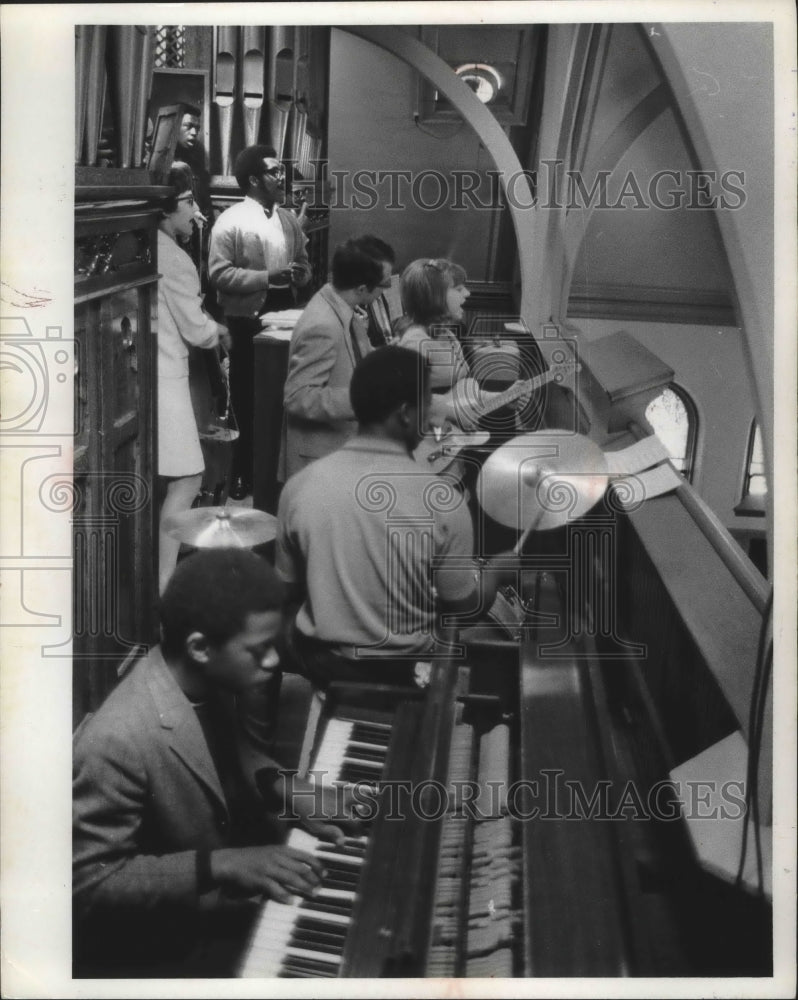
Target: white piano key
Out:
[270,950]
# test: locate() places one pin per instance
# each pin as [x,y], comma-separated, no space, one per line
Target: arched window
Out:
[755,484]
[673,416]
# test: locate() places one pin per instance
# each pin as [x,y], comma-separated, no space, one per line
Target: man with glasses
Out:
[329,339]
[257,258]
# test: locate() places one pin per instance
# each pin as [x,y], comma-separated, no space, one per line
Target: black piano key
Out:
[347,880]
[342,911]
[353,773]
[314,924]
[333,882]
[309,966]
[363,732]
[337,879]
[366,753]
[299,974]
[341,866]
[314,942]
[350,850]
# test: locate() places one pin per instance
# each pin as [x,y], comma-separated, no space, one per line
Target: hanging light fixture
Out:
[484,80]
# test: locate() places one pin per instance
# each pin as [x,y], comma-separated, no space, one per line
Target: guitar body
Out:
[440,455]
[466,400]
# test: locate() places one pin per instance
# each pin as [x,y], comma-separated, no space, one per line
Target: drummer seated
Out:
[373,548]
[174,798]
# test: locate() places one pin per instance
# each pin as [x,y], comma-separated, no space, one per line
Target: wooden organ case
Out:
[115,265]
[115,518]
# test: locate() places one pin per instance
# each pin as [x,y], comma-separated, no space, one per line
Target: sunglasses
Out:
[275,172]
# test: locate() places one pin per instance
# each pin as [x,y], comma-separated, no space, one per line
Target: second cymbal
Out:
[543,479]
[222,527]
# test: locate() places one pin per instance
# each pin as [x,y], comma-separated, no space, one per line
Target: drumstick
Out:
[527,532]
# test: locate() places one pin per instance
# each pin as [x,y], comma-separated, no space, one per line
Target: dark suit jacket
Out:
[321,359]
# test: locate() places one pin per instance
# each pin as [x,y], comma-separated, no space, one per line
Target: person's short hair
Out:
[385,379]
[190,109]
[359,261]
[378,248]
[212,591]
[180,180]
[250,161]
[423,287]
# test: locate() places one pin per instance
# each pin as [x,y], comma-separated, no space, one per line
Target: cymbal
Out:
[223,527]
[542,480]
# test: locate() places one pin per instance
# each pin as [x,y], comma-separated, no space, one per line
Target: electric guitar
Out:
[438,450]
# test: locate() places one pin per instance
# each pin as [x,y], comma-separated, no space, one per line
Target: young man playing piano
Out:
[372,547]
[174,795]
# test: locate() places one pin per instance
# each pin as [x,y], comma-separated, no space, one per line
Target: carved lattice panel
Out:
[170,46]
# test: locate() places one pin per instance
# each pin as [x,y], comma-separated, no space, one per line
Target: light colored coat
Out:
[182,322]
[318,415]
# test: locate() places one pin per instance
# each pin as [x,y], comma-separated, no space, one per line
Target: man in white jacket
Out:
[257,258]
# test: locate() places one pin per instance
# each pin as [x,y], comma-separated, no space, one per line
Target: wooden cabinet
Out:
[115,512]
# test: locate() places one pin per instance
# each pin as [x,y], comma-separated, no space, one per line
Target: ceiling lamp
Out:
[484,80]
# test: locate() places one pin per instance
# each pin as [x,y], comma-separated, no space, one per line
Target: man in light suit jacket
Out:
[329,339]
[257,257]
[173,788]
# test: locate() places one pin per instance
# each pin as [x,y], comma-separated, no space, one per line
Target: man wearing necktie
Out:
[257,258]
[379,323]
[329,339]
[385,307]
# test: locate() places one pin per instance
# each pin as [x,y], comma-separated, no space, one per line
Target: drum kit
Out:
[534,482]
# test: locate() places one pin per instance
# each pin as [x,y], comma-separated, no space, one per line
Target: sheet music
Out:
[635,458]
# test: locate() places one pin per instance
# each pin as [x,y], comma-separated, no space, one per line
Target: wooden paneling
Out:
[114,518]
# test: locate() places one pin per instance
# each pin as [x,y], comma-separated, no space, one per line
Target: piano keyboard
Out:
[352,751]
[306,937]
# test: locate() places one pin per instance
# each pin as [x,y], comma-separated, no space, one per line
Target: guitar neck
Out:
[515,392]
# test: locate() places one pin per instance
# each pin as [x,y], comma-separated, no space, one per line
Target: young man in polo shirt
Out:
[372,547]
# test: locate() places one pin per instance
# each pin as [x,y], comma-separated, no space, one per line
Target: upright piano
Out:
[515,835]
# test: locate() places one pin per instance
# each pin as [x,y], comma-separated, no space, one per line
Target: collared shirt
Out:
[368,534]
[275,251]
